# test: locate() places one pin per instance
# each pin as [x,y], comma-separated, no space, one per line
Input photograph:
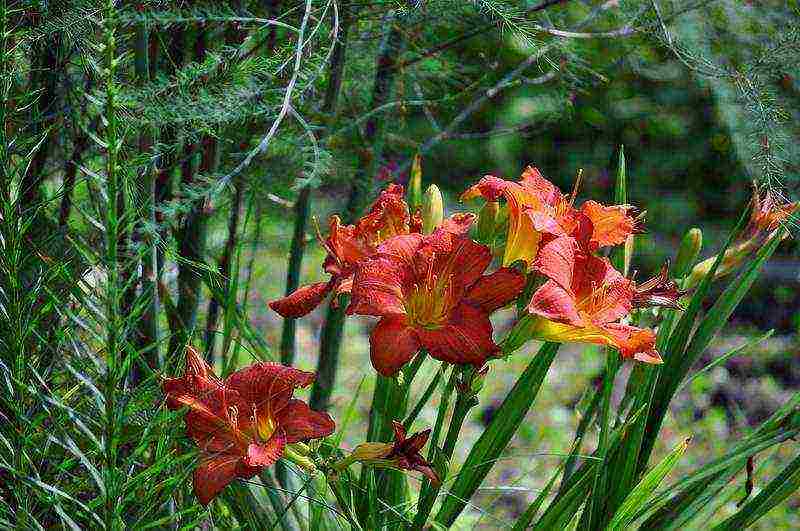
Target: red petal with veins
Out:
[299,422]
[490,187]
[553,302]
[556,261]
[302,301]
[392,345]
[267,386]
[265,453]
[492,292]
[378,287]
[401,247]
[465,339]
[212,475]
[458,223]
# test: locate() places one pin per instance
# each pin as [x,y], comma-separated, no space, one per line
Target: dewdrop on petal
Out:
[432,209]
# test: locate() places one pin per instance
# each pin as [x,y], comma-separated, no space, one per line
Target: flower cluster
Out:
[583,298]
[430,285]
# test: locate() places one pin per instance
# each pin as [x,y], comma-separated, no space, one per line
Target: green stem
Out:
[303,203]
[111,477]
[426,395]
[385,77]
[428,493]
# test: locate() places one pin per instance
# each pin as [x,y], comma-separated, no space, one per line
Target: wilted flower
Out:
[539,212]
[347,245]
[766,217]
[403,454]
[583,301]
[658,291]
[243,423]
[430,291]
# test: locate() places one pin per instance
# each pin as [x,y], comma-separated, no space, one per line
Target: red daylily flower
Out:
[583,300]
[243,423]
[539,212]
[347,245]
[430,292]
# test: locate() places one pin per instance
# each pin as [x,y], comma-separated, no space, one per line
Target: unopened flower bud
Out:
[432,209]
[478,380]
[688,252]
[303,461]
[415,185]
[487,221]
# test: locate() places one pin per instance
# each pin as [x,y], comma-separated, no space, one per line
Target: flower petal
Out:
[266,453]
[489,187]
[268,386]
[553,302]
[494,291]
[392,344]
[533,181]
[198,380]
[556,261]
[458,223]
[213,474]
[465,339]
[636,343]
[401,247]
[378,287]
[611,224]
[388,216]
[302,301]
[299,422]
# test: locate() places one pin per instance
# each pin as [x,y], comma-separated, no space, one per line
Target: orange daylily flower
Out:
[583,301]
[403,454]
[430,292]
[347,245]
[539,212]
[243,423]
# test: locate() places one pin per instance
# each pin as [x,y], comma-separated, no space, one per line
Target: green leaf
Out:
[780,488]
[620,198]
[645,488]
[494,439]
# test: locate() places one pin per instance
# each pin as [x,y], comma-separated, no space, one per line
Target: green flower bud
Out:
[432,209]
[488,221]
[688,252]
[415,185]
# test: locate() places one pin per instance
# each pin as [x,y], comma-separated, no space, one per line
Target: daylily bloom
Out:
[403,454]
[430,292]
[583,301]
[766,218]
[347,245]
[539,212]
[243,423]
